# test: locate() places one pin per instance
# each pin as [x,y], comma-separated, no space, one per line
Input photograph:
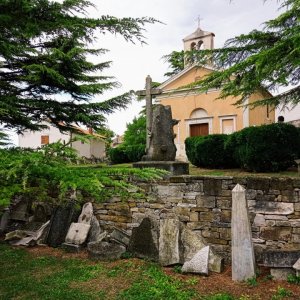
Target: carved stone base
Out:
[174,167]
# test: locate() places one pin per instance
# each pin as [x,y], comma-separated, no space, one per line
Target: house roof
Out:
[181,73]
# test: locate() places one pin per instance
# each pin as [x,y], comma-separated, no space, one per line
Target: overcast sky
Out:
[132,63]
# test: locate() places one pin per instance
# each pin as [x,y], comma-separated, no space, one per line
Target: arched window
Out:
[199,45]
[198,113]
[193,46]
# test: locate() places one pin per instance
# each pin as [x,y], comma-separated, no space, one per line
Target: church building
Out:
[200,113]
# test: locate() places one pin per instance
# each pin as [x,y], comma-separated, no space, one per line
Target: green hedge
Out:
[266,148]
[118,155]
[135,152]
[209,151]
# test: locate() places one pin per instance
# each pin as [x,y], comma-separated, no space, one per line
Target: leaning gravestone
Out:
[60,222]
[169,242]
[77,233]
[142,243]
[95,230]
[243,261]
[86,214]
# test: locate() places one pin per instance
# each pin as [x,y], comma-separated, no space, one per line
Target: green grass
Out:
[23,276]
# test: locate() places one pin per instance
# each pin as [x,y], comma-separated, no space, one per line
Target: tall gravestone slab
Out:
[142,242]
[169,242]
[60,222]
[243,261]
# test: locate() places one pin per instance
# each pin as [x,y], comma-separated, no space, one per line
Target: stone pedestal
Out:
[174,167]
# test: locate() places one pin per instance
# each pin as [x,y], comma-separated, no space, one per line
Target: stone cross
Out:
[199,19]
[149,92]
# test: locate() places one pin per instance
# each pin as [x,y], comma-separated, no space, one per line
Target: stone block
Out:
[276,217]
[216,241]
[194,217]
[276,233]
[225,216]
[259,220]
[295,223]
[86,214]
[206,201]
[206,216]
[105,251]
[280,258]
[256,183]
[223,203]
[296,267]
[72,248]
[225,233]
[120,236]
[212,187]
[274,208]
[297,206]
[251,194]
[296,238]
[117,219]
[281,273]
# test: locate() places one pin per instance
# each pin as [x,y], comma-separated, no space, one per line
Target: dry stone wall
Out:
[203,204]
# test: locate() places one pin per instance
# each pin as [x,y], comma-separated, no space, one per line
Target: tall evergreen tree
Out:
[268,58]
[45,56]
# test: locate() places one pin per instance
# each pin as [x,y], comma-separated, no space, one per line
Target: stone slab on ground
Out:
[281,273]
[120,236]
[105,250]
[77,233]
[199,262]
[72,248]
[142,243]
[280,258]
[174,167]
[169,242]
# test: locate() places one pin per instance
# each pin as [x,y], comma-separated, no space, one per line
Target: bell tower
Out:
[199,40]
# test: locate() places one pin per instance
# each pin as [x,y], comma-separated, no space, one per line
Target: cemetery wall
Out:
[203,204]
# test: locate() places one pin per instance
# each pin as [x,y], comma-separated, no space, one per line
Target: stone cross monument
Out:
[149,92]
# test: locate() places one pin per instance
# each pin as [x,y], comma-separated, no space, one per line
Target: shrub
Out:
[266,148]
[135,152]
[208,151]
[118,155]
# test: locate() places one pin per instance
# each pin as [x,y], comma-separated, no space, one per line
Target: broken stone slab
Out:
[95,230]
[30,238]
[120,236]
[191,243]
[86,214]
[105,250]
[296,267]
[280,258]
[142,242]
[199,262]
[77,233]
[281,273]
[16,235]
[169,242]
[243,260]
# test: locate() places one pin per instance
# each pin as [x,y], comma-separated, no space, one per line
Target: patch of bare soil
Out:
[212,284]
[222,283]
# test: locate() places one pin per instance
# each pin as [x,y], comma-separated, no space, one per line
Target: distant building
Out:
[118,140]
[95,148]
[200,113]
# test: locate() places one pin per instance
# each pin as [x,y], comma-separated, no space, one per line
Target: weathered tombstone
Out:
[296,267]
[169,242]
[142,243]
[160,147]
[243,261]
[41,213]
[198,263]
[20,211]
[77,233]
[86,213]
[60,222]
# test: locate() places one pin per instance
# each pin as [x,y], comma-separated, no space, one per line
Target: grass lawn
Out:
[47,273]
